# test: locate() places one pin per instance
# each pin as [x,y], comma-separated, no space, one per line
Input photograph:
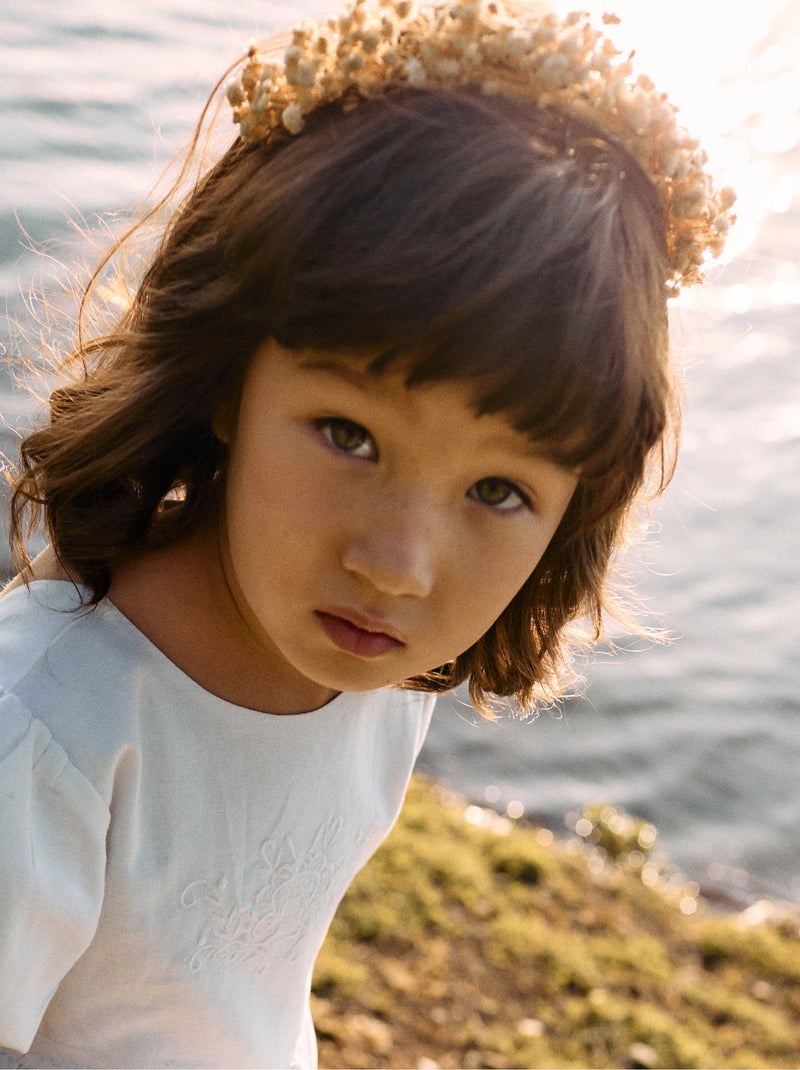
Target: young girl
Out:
[372,425]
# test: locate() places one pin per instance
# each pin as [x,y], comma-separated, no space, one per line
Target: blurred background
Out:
[700,737]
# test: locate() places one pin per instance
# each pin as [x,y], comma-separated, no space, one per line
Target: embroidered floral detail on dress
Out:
[265,915]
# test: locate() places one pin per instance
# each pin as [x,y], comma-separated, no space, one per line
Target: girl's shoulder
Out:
[45,566]
[34,608]
[31,619]
[61,661]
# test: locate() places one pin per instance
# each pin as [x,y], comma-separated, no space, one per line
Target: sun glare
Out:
[735,76]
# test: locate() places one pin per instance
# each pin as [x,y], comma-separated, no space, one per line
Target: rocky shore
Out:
[473,941]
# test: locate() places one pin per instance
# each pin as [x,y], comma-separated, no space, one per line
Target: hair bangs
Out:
[525,258]
[561,376]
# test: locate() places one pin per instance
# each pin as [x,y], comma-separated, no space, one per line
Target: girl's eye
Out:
[499,494]
[348,437]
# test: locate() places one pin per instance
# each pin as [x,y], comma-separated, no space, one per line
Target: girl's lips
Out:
[350,637]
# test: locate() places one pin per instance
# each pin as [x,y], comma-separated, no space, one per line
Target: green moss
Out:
[676,1044]
[518,858]
[473,948]
[730,1011]
[766,950]
[643,959]
[338,975]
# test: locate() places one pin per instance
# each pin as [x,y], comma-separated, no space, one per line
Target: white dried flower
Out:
[448,69]
[269,73]
[564,63]
[544,35]
[492,49]
[292,118]
[691,203]
[518,44]
[304,31]
[572,45]
[465,12]
[369,42]
[637,111]
[555,71]
[234,93]
[307,72]
[352,64]
[675,166]
[415,72]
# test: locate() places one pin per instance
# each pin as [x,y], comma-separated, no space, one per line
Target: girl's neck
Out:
[179,598]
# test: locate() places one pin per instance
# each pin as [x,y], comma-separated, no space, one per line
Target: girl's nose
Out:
[394,560]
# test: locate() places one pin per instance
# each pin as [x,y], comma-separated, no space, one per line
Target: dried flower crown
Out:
[563,63]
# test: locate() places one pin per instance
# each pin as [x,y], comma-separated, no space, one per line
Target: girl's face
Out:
[373,532]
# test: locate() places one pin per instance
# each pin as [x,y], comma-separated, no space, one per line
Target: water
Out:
[702,736]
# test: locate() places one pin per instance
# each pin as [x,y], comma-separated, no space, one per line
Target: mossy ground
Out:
[486,945]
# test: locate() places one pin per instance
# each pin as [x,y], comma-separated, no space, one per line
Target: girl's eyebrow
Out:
[524,448]
[340,369]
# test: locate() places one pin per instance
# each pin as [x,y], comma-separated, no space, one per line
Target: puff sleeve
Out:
[53,828]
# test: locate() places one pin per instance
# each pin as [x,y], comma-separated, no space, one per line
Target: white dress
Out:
[170,862]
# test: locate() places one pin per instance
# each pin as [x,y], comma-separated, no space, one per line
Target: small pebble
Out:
[642,1056]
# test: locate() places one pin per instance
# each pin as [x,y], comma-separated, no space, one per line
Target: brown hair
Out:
[468,237]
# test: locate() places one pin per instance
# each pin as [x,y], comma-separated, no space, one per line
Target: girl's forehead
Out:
[458,404]
[385,378]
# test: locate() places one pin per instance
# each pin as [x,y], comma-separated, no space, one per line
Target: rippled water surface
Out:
[701,736]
